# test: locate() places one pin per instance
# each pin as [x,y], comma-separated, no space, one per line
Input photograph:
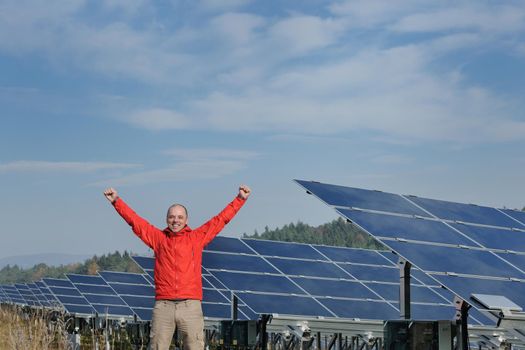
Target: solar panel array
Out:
[310,280]
[467,248]
[266,278]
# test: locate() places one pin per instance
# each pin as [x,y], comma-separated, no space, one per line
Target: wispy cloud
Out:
[186,170]
[190,164]
[44,166]
[211,153]
[159,119]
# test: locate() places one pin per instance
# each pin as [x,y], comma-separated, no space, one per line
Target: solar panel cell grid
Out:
[391,226]
[354,197]
[483,271]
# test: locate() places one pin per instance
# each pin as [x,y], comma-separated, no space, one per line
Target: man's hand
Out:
[111,194]
[244,192]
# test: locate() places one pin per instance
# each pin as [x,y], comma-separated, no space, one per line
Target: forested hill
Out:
[336,233]
[112,262]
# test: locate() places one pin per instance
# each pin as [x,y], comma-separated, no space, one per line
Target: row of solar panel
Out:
[315,280]
[468,249]
[267,277]
[348,197]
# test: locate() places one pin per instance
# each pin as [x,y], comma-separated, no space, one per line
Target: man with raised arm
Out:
[178,259]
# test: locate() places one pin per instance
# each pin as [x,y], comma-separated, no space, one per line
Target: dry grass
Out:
[28,331]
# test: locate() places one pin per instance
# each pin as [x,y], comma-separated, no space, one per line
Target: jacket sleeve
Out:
[210,229]
[148,233]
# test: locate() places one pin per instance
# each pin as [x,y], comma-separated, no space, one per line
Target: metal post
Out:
[263,336]
[462,308]
[404,288]
[235,307]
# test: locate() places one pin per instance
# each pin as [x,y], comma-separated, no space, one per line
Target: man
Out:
[178,258]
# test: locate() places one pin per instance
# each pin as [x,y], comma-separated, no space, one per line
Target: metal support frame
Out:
[404,288]
[262,342]
[235,307]
[462,308]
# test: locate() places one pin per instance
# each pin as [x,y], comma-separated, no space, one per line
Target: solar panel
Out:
[69,297]
[308,280]
[101,296]
[27,294]
[470,249]
[133,289]
[38,294]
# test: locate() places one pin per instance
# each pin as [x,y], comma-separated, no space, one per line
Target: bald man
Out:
[178,264]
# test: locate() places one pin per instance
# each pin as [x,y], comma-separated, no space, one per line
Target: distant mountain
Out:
[51,259]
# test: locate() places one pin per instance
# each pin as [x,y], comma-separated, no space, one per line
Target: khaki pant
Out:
[186,315]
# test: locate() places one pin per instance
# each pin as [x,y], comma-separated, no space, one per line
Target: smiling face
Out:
[176,218]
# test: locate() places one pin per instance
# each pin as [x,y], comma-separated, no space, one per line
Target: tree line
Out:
[109,262]
[335,233]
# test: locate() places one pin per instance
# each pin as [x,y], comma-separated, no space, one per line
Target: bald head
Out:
[177,217]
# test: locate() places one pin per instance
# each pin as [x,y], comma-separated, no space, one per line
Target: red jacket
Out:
[178,256]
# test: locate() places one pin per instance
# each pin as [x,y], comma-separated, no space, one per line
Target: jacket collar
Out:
[186,229]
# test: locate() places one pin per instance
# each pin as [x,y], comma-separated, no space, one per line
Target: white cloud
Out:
[237,28]
[185,170]
[478,17]
[301,34]
[211,153]
[221,5]
[45,166]
[158,119]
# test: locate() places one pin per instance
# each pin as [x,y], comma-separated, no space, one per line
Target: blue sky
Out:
[182,101]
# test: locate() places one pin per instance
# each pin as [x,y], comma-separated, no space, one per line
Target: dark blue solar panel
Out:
[372,273]
[104,299]
[513,290]
[86,288]
[517,260]
[139,301]
[131,289]
[494,238]
[143,314]
[205,283]
[371,310]
[246,314]
[145,262]
[150,279]
[358,198]
[65,291]
[517,215]
[391,226]
[256,282]
[214,282]
[335,288]
[457,260]
[228,245]
[214,296]
[123,277]
[418,294]
[55,282]
[282,249]
[220,311]
[308,268]
[360,256]
[465,212]
[235,262]
[73,300]
[283,304]
[86,279]
[432,312]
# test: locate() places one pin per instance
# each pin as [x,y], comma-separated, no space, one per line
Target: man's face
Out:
[176,218]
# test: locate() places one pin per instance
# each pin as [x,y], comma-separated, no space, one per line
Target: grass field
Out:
[30,330]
